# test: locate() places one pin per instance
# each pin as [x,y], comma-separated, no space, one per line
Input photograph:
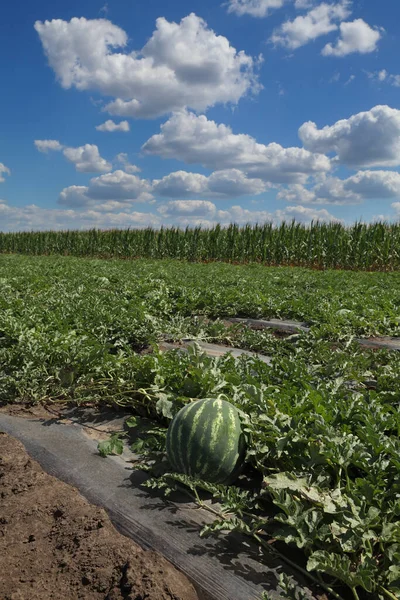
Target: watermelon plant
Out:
[322,421]
[205,440]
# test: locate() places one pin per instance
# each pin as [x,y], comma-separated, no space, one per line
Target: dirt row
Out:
[54,544]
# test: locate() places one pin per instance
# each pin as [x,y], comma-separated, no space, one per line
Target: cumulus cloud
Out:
[374,184]
[195,139]
[87,159]
[355,36]
[228,183]
[205,213]
[331,191]
[319,21]
[364,185]
[122,158]
[110,126]
[33,217]
[114,215]
[367,139]
[182,64]
[74,196]
[117,186]
[46,145]
[255,8]
[297,193]
[5,170]
[184,208]
[303,214]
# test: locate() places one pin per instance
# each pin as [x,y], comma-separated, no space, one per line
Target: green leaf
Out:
[164,406]
[330,501]
[138,446]
[113,445]
[66,376]
[394,576]
[132,422]
[341,567]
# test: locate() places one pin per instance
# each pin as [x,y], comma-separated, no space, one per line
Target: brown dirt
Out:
[54,544]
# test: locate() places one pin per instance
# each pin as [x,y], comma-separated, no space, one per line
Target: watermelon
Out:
[205,440]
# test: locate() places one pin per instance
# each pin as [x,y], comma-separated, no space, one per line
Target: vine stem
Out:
[323,585]
[356,596]
[388,593]
[262,543]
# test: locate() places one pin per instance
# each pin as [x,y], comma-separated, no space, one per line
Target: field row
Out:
[319,245]
[323,441]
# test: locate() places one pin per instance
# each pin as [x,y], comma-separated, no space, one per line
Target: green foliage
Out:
[113,445]
[323,440]
[324,245]
[288,591]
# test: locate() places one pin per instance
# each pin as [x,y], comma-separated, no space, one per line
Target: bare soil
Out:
[54,544]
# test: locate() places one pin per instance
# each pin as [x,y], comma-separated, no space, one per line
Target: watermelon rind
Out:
[205,440]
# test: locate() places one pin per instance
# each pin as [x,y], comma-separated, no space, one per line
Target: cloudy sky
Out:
[131,113]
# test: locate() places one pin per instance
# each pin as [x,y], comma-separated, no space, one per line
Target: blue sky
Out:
[244,111]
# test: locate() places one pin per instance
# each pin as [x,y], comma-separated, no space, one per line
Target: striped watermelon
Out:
[205,440]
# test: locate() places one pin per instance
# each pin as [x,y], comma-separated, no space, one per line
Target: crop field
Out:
[322,420]
[361,246]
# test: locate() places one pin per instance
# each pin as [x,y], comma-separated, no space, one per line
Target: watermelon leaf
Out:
[113,445]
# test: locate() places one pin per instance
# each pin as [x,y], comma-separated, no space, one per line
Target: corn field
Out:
[362,246]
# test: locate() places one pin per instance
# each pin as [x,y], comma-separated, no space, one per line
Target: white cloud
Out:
[303,214]
[74,196]
[303,4]
[195,139]
[228,183]
[367,139]
[182,64]
[364,185]
[331,191]
[87,159]
[181,183]
[184,208]
[33,217]
[318,21]
[233,182]
[375,184]
[383,75]
[119,186]
[255,8]
[198,212]
[122,158]
[4,169]
[110,126]
[395,80]
[178,213]
[46,145]
[394,217]
[297,193]
[380,76]
[115,187]
[355,36]
[350,80]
